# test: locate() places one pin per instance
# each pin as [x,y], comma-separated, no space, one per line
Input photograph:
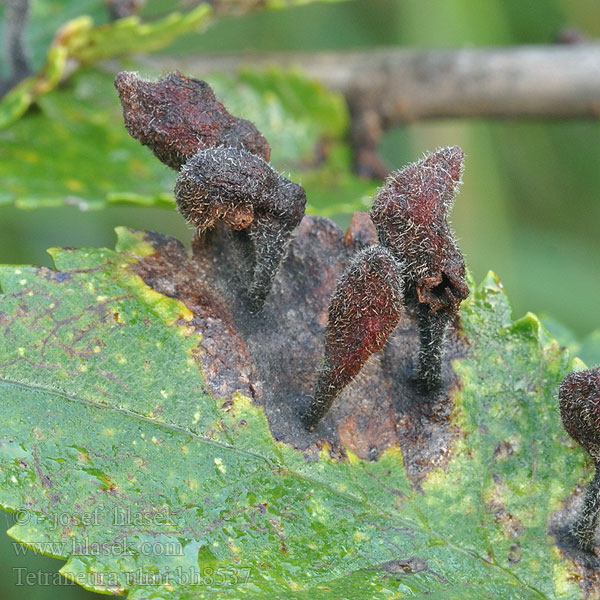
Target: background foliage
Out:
[529,207]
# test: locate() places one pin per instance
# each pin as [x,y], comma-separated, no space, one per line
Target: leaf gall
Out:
[579,403]
[363,311]
[246,193]
[177,115]
[410,214]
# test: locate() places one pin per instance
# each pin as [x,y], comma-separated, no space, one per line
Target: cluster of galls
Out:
[224,175]
[222,165]
[417,265]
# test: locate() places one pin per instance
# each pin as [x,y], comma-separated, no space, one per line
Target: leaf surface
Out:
[122,462]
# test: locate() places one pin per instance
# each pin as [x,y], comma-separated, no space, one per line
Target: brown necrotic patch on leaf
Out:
[222,354]
[361,232]
[177,115]
[410,566]
[245,192]
[280,351]
[585,566]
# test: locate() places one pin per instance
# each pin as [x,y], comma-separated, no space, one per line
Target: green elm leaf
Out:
[128,453]
[81,42]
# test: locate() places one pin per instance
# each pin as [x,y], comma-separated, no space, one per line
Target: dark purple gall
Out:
[579,403]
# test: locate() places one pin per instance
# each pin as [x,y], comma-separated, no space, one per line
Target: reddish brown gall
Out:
[176,116]
[364,309]
[410,213]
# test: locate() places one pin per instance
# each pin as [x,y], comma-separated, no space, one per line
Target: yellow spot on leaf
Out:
[187,331]
[393,454]
[74,185]
[169,310]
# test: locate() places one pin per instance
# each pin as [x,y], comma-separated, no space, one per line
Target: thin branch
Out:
[391,86]
[561,81]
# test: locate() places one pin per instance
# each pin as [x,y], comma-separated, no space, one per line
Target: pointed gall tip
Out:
[449,160]
[124,81]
